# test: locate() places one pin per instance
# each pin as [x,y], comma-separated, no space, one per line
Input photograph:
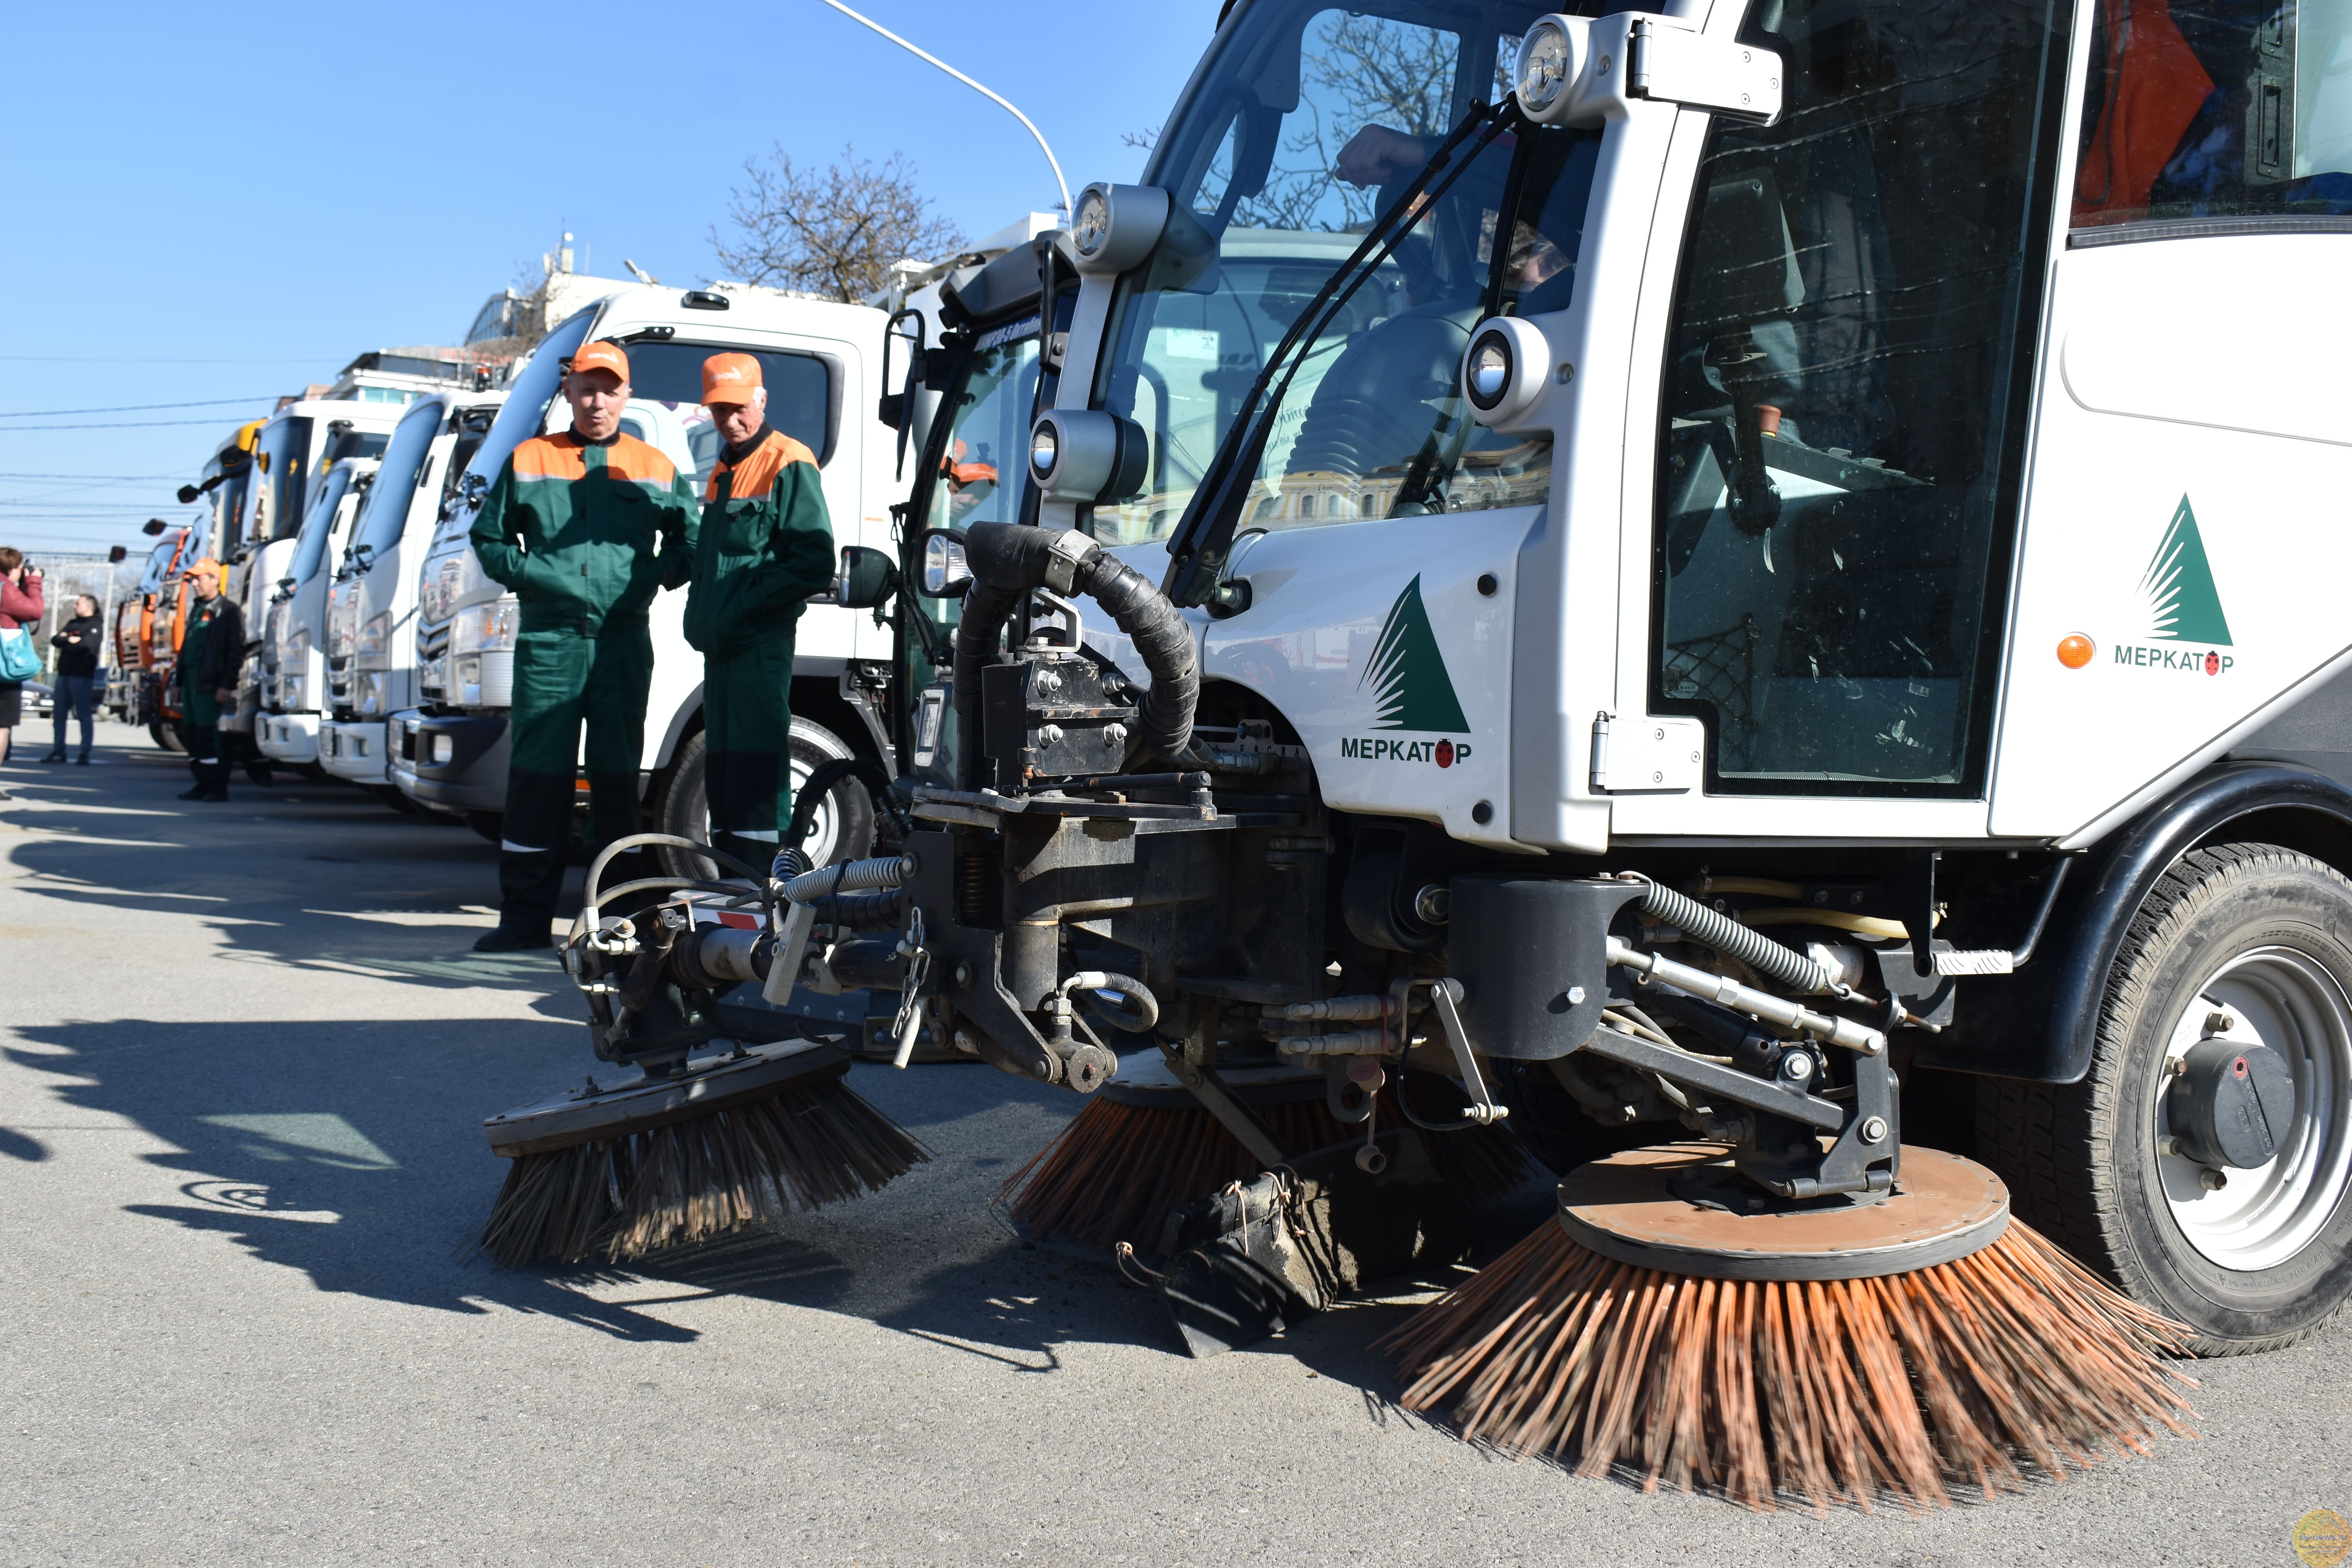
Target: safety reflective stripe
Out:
[509,847]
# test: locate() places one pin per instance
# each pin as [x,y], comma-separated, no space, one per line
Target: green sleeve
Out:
[497,528]
[681,525]
[800,559]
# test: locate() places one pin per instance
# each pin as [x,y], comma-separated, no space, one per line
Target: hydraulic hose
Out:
[1727,936]
[850,877]
[1006,561]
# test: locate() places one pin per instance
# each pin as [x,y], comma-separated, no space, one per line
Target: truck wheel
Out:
[489,826]
[167,736]
[2253,945]
[843,828]
[391,796]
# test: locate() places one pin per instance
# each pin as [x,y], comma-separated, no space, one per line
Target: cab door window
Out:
[1842,426]
[2227,109]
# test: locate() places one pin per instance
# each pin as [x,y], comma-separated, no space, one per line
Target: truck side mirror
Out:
[945,575]
[867,580]
[116,556]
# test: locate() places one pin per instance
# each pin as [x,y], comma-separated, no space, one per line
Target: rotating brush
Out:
[699,1145]
[1143,1148]
[1830,1352]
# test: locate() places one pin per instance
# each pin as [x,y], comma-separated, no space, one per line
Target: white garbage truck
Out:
[822,364]
[368,631]
[293,634]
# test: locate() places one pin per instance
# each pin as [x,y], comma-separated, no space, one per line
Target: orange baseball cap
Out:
[730,378]
[602,355]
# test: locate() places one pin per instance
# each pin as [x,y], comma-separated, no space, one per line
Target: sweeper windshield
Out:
[1307,123]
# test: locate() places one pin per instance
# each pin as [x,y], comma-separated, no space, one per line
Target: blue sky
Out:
[214,202]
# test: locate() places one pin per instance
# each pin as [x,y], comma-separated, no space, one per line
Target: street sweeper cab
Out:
[1771,586]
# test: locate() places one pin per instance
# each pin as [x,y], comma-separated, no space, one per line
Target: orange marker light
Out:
[2075,651]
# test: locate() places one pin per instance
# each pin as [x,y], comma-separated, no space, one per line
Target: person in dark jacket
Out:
[77,642]
[765,546]
[20,605]
[585,526]
[211,652]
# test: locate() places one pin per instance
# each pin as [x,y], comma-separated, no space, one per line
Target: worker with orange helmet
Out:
[585,526]
[765,546]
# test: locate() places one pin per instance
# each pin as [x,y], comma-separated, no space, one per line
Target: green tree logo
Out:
[1407,674]
[2183,606]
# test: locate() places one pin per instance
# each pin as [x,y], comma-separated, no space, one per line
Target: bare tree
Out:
[832,231]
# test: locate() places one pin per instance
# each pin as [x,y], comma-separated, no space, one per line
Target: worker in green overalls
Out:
[212,650]
[766,544]
[572,525]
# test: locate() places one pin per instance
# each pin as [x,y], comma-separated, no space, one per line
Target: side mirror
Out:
[188,494]
[867,579]
[116,556]
[154,526]
[945,575]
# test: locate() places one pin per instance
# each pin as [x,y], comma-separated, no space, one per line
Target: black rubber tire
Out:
[167,737]
[2080,1159]
[681,806]
[489,826]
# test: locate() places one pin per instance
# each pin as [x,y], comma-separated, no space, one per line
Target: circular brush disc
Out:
[1682,1209]
[710,1083]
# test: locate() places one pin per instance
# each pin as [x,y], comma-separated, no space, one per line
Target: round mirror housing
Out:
[1115,228]
[867,579]
[1087,455]
[1504,371]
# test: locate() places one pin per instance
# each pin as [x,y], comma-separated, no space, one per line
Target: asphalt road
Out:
[243,1055]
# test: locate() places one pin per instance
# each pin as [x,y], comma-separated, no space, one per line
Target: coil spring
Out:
[976,889]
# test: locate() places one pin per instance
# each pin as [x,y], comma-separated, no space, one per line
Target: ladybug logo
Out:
[1444,753]
[2213,664]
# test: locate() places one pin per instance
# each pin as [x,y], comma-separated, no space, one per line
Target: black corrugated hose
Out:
[1007,560]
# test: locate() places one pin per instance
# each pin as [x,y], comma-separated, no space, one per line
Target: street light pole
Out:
[995,97]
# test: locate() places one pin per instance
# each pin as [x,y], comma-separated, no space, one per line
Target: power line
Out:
[134,407]
[140,359]
[107,424]
[174,474]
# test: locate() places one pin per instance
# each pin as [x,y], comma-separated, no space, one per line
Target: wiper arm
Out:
[1202,539]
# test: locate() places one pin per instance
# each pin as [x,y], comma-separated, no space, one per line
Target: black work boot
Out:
[215,782]
[529,882]
[196,772]
[56,754]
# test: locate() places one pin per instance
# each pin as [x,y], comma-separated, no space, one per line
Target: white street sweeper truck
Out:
[1771,593]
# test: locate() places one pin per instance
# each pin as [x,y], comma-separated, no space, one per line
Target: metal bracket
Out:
[1482,1108]
[1210,1089]
[1717,1080]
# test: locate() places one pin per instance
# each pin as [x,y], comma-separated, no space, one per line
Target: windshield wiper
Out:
[1204,537]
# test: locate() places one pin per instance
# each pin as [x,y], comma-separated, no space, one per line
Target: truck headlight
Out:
[374,640]
[485,628]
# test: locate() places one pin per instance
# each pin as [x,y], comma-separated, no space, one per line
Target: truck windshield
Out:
[320,526]
[282,457]
[384,515]
[1307,122]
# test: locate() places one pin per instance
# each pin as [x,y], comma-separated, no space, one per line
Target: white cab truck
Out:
[294,631]
[822,363]
[368,633]
[292,453]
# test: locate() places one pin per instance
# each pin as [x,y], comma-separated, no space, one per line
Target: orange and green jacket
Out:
[765,545]
[571,526]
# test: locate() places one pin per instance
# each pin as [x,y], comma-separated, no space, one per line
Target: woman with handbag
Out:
[20,607]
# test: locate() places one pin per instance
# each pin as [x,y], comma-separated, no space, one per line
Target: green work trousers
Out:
[746,728]
[562,680]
